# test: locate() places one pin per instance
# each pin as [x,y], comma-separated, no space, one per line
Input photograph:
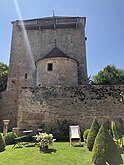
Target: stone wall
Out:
[20,62]
[78,105]
[8,108]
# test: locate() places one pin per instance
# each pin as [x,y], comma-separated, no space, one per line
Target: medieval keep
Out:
[47,80]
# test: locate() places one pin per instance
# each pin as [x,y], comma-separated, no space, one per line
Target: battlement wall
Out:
[78,105]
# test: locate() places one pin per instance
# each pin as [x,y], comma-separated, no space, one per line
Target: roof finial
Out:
[53,13]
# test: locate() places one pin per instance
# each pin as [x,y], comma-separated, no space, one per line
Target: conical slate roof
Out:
[56,52]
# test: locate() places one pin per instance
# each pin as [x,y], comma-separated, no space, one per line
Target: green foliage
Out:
[2,143]
[105,149]
[108,76]
[3,76]
[92,134]
[116,137]
[114,130]
[85,134]
[122,97]
[10,138]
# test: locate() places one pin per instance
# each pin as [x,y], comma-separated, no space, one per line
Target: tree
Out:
[110,75]
[3,76]
[105,149]
[94,129]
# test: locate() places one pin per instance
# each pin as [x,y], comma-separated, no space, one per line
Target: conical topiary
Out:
[114,130]
[85,134]
[105,149]
[2,143]
[94,129]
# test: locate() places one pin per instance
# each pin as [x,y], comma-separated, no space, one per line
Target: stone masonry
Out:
[57,77]
[79,105]
[32,40]
[47,80]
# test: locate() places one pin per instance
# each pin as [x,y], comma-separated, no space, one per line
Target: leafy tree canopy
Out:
[3,76]
[110,75]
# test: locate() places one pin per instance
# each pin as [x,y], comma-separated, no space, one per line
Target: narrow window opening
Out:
[13,81]
[50,66]
[26,76]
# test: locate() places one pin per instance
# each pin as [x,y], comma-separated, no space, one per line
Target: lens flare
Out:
[30,58]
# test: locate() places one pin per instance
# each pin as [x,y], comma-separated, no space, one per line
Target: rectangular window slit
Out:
[50,66]
[26,76]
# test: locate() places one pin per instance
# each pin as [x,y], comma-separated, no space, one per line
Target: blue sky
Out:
[104,26]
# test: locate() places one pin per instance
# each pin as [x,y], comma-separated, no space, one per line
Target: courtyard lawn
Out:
[64,155]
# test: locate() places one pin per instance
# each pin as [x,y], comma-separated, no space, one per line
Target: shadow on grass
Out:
[48,151]
[3,150]
[17,147]
[21,145]
[78,145]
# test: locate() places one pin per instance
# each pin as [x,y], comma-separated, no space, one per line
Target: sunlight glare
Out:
[31,58]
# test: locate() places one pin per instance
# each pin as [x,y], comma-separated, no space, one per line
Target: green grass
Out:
[64,155]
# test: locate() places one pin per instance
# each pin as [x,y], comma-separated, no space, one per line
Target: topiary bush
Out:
[92,134]
[105,149]
[10,138]
[2,143]
[85,134]
[114,130]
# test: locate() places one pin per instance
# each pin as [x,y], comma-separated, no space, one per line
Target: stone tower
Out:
[57,69]
[32,40]
[47,52]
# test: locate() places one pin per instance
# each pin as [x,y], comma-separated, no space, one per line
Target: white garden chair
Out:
[74,134]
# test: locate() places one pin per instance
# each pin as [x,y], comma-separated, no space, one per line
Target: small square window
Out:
[50,66]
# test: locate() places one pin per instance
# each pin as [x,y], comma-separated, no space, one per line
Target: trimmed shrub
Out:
[94,129]
[105,149]
[85,134]
[2,143]
[114,130]
[10,138]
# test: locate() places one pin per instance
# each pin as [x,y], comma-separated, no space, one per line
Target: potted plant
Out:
[44,140]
